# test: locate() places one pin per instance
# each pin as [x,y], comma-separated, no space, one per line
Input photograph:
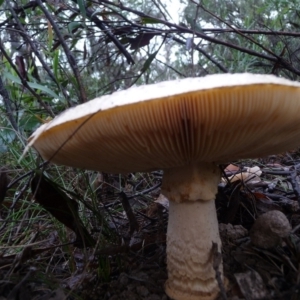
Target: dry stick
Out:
[160,10]
[280,60]
[29,173]
[274,172]
[237,30]
[133,224]
[222,68]
[204,36]
[7,103]
[152,188]
[170,67]
[146,191]
[254,32]
[34,48]
[111,36]
[186,30]
[293,180]
[33,4]
[93,17]
[275,196]
[160,32]
[25,83]
[68,52]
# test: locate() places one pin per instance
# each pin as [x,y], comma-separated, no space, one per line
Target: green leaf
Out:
[148,61]
[55,63]
[33,85]
[50,35]
[7,135]
[29,122]
[81,5]
[73,26]
[148,20]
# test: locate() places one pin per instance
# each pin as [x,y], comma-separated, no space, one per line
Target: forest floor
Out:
[131,262]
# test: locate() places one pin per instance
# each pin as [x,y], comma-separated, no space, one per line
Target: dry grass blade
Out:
[133,224]
[63,208]
[3,183]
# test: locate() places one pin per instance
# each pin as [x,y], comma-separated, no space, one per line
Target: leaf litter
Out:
[40,257]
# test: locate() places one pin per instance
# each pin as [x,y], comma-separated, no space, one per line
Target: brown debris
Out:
[60,206]
[133,224]
[251,285]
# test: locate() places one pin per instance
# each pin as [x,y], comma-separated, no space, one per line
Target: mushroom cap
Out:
[216,118]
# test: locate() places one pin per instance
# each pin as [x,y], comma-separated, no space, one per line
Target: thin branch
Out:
[170,67]
[68,52]
[7,103]
[32,4]
[93,17]
[160,10]
[294,182]
[25,83]
[242,34]
[32,44]
[222,68]
[202,35]
[254,32]
[117,43]
[133,223]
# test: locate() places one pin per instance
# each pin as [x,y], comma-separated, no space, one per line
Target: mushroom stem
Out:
[192,230]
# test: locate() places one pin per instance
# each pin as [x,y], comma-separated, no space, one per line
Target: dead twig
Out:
[25,83]
[133,224]
[28,39]
[67,50]
[293,180]
[8,107]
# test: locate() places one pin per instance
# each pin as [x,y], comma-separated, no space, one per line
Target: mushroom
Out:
[185,127]
[269,229]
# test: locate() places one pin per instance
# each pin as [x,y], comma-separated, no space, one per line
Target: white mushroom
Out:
[185,127]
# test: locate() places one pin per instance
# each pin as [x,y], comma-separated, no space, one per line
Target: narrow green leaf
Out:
[50,35]
[148,61]
[74,25]
[55,63]
[81,5]
[149,20]
[33,85]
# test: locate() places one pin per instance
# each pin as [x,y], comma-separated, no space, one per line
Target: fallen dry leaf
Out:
[60,206]
[250,176]
[251,285]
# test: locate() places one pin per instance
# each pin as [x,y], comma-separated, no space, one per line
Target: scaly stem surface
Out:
[192,230]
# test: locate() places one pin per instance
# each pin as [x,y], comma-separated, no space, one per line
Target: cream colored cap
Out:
[216,118]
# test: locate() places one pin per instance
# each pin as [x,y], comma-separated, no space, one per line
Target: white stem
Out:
[192,230]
